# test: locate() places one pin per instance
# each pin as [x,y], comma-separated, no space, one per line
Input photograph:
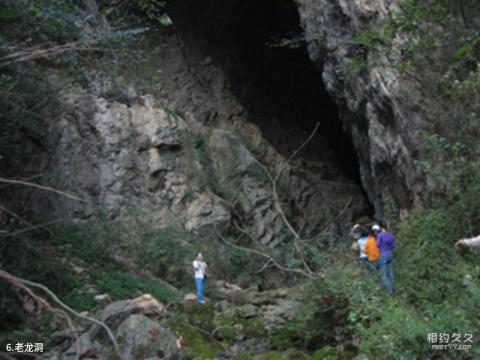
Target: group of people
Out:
[376,246]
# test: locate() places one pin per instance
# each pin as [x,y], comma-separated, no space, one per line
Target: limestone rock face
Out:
[312,190]
[124,159]
[206,209]
[121,159]
[380,110]
[186,158]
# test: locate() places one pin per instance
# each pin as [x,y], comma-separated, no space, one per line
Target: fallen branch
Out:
[43,303]
[16,280]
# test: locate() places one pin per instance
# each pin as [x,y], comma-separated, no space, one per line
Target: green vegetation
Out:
[354,66]
[434,45]
[196,344]
[196,323]
[436,291]
[91,248]
[251,328]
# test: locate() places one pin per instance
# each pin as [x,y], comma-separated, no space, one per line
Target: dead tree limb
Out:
[40,51]
[27,180]
[264,266]
[44,304]
[16,280]
[269,258]
[32,228]
[41,187]
[274,181]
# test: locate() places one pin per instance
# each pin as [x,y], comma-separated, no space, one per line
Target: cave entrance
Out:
[259,45]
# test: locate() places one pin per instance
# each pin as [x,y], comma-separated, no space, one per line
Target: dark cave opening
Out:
[259,46]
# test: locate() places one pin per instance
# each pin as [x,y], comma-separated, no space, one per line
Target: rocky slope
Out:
[239,324]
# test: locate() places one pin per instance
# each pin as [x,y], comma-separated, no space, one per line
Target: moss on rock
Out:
[195,344]
[250,328]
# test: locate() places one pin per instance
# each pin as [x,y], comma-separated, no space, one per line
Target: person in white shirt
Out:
[200,273]
[362,240]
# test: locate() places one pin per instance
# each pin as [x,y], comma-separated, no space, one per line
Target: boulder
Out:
[118,311]
[85,346]
[142,338]
[131,324]
[189,298]
[224,290]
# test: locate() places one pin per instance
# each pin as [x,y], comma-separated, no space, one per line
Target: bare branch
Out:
[15,215]
[27,179]
[267,256]
[39,51]
[31,228]
[13,279]
[269,261]
[42,303]
[274,180]
[296,236]
[295,153]
[41,187]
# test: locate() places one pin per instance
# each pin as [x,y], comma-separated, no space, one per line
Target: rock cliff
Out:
[188,155]
[382,112]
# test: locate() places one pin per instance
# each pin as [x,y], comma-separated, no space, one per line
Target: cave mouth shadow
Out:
[259,44]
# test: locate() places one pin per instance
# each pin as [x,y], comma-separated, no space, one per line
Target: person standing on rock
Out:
[200,268]
[386,243]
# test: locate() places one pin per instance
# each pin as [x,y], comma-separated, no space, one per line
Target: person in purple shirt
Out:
[386,243]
